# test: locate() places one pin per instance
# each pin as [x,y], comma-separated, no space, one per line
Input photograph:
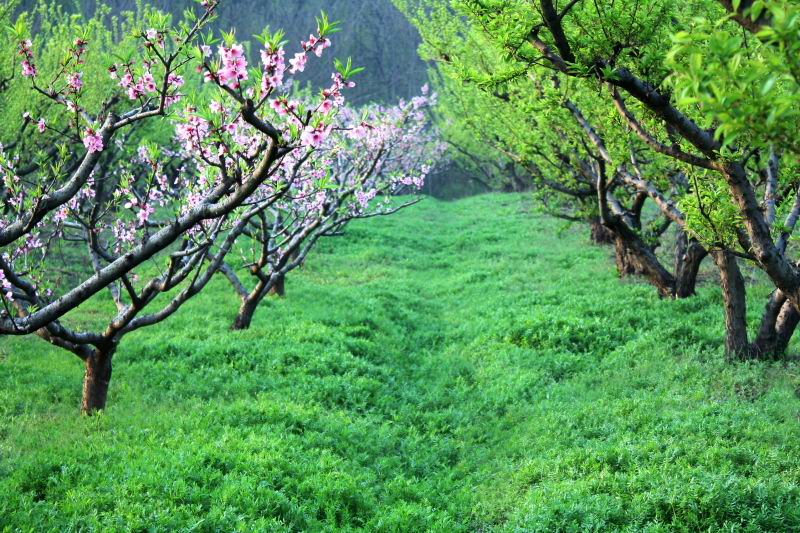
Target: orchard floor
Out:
[464,366]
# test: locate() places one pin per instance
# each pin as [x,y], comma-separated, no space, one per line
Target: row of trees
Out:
[636,116]
[149,157]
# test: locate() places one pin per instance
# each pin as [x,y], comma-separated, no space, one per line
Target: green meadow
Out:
[460,366]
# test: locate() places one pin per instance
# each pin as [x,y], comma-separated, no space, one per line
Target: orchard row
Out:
[150,157]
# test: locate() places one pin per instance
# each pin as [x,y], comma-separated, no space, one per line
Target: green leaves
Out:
[609,73]
[325,26]
[229,38]
[346,69]
[711,214]
[271,40]
[20,28]
[747,89]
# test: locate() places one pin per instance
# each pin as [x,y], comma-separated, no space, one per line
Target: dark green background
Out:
[374,34]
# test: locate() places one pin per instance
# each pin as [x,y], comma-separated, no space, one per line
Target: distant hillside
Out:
[374,34]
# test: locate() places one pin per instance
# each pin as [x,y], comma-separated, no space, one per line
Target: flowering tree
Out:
[360,161]
[150,228]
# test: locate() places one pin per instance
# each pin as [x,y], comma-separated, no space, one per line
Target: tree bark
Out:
[634,257]
[279,288]
[245,315]
[788,320]
[778,324]
[96,380]
[688,257]
[625,259]
[733,293]
[600,234]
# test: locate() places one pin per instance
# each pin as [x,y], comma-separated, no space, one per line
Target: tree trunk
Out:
[279,288]
[764,344]
[788,320]
[245,315]
[688,257]
[778,323]
[733,293]
[96,380]
[600,233]
[635,258]
[625,259]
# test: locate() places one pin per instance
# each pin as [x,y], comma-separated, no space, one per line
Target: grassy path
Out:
[458,367]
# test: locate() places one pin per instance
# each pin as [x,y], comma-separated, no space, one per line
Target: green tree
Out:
[704,94]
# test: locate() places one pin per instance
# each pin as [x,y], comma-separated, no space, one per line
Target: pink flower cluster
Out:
[93,141]
[142,199]
[28,66]
[364,197]
[274,69]
[234,66]
[144,210]
[317,44]
[124,233]
[175,80]
[78,50]
[75,81]
[32,242]
[192,131]
[154,37]
[325,107]
[145,84]
[61,215]
[6,286]
[313,137]
[298,62]
[284,107]
[334,92]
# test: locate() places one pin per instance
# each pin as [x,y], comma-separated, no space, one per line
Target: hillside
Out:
[374,33]
[452,368]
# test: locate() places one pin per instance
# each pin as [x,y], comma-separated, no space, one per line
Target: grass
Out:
[460,366]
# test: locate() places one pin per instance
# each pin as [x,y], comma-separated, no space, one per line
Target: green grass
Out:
[458,367]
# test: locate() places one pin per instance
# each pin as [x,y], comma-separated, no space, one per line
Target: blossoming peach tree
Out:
[363,159]
[147,224]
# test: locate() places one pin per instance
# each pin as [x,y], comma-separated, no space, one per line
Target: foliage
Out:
[748,86]
[742,87]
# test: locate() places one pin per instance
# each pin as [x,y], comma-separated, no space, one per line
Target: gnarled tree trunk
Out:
[251,300]
[633,256]
[778,324]
[688,257]
[600,234]
[96,380]
[788,320]
[733,293]
[627,264]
